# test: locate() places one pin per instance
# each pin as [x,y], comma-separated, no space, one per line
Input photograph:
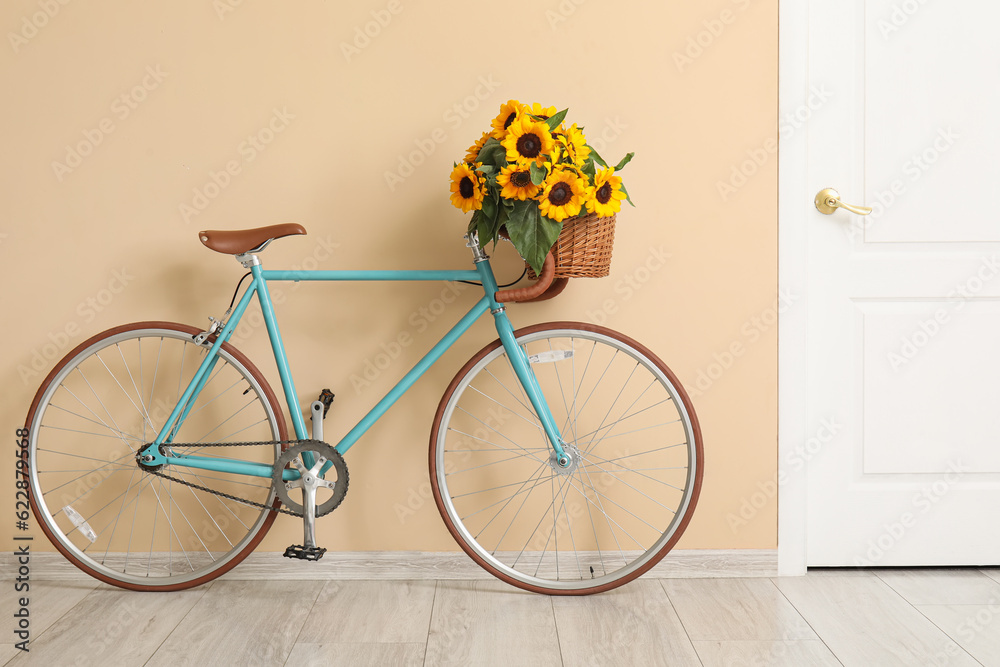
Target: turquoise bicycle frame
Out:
[483,273]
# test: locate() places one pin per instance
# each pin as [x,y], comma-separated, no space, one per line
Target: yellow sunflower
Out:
[606,196]
[542,112]
[515,179]
[563,195]
[576,145]
[466,188]
[473,153]
[509,110]
[527,139]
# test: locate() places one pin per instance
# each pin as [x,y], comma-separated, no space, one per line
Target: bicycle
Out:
[565,458]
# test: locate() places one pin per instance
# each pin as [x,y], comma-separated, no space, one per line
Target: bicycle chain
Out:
[245,501]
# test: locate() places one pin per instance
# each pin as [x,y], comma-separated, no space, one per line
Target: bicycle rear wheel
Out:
[615,512]
[117,521]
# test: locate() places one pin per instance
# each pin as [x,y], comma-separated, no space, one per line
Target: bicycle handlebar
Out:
[534,291]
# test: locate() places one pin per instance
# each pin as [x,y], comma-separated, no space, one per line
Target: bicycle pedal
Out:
[326,398]
[304,553]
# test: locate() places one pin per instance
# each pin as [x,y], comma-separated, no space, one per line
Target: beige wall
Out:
[105,240]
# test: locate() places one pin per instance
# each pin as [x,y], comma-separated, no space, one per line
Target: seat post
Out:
[248,259]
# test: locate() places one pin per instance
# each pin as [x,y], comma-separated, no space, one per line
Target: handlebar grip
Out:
[534,291]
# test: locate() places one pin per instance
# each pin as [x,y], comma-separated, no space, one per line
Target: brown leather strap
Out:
[533,291]
[239,241]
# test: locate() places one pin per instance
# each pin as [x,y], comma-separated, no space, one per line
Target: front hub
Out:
[565,467]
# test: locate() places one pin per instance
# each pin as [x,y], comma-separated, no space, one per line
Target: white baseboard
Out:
[415,565]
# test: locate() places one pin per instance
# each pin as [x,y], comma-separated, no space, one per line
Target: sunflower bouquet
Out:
[530,173]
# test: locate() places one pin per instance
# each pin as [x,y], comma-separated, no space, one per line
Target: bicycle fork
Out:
[520,362]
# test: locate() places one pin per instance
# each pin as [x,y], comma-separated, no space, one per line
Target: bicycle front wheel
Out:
[616,510]
[114,519]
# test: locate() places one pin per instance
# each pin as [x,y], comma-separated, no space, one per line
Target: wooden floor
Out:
[863,618]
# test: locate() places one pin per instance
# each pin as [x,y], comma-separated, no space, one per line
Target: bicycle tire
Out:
[477,477]
[83,419]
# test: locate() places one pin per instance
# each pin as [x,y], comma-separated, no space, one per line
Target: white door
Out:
[889,394]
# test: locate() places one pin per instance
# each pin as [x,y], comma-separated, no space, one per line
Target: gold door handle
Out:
[828,200]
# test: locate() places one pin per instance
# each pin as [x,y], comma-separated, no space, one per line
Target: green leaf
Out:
[589,169]
[595,156]
[485,232]
[537,174]
[532,234]
[625,161]
[489,209]
[486,169]
[503,214]
[493,154]
[553,121]
[627,198]
[474,222]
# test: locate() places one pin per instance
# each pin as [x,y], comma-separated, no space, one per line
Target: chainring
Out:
[323,453]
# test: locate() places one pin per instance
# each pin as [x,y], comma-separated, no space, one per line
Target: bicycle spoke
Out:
[666,400]
[525,483]
[504,406]
[156,370]
[118,516]
[658,481]
[492,429]
[651,451]
[613,404]
[492,463]
[577,389]
[506,499]
[102,422]
[607,517]
[144,411]
[108,412]
[494,488]
[79,416]
[612,425]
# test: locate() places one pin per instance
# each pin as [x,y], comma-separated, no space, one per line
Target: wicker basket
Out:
[583,249]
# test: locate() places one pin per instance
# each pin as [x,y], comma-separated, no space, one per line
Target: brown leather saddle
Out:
[239,241]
